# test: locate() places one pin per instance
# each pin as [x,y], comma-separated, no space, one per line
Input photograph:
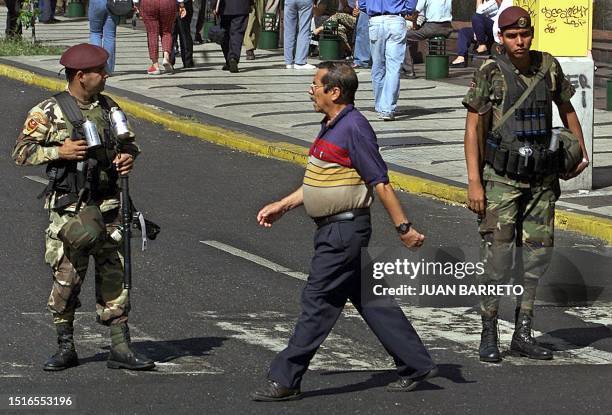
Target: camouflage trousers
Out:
[69,270]
[517,239]
[346,26]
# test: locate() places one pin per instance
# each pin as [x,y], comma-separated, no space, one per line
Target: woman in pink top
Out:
[159,17]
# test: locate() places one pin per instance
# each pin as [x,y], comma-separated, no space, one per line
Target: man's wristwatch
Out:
[403,228]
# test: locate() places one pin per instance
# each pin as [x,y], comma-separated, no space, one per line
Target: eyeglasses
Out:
[313,87]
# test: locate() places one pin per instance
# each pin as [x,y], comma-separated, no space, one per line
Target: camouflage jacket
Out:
[45,130]
[487,93]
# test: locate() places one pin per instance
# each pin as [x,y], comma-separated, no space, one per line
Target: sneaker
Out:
[250,54]
[290,66]
[304,66]
[153,70]
[386,116]
[168,66]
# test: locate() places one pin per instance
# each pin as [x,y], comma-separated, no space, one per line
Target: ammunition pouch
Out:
[519,159]
[85,231]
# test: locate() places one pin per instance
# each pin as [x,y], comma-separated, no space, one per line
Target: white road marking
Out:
[256,259]
[272,330]
[460,326]
[597,314]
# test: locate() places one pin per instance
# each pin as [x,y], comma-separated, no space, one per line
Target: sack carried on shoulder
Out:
[119,7]
[85,230]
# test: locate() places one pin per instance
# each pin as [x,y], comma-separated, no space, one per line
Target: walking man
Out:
[344,169]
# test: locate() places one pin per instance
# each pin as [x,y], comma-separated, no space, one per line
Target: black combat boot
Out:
[66,355]
[121,355]
[489,351]
[523,344]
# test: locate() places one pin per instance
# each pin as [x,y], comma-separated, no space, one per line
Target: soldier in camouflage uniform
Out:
[515,207]
[47,138]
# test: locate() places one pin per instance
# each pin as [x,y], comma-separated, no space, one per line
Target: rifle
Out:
[126,227]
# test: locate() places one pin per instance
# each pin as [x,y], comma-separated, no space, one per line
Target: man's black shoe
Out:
[489,350]
[406,384]
[523,344]
[250,54]
[198,39]
[274,391]
[66,355]
[233,65]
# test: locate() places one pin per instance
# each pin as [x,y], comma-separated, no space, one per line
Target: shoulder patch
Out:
[34,120]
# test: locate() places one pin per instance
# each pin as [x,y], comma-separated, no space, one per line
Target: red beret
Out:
[84,56]
[515,17]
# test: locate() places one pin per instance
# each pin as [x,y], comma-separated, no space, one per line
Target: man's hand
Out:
[412,238]
[579,169]
[124,163]
[356,11]
[270,214]
[182,11]
[73,150]
[476,198]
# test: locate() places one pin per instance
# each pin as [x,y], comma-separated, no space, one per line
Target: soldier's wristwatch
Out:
[403,228]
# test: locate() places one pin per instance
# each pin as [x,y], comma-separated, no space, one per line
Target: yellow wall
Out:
[562,27]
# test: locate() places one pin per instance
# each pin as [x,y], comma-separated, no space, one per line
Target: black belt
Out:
[385,14]
[348,215]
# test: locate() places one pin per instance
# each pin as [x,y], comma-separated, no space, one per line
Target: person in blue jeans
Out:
[103,29]
[297,17]
[47,11]
[387,31]
[361,49]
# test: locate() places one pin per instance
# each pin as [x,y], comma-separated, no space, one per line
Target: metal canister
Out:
[119,123]
[91,134]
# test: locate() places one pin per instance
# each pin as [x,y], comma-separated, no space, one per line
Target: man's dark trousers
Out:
[13,27]
[335,275]
[235,26]
[182,30]
[427,31]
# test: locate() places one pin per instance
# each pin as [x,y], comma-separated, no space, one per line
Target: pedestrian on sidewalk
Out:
[387,27]
[480,34]
[159,17]
[182,34]
[438,22]
[234,18]
[253,30]
[361,52]
[13,25]
[103,29]
[513,173]
[297,17]
[51,136]
[344,169]
[47,11]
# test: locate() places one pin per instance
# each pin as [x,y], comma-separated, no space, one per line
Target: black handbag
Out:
[216,34]
[119,7]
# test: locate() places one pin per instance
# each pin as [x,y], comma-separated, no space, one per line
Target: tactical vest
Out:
[519,148]
[100,176]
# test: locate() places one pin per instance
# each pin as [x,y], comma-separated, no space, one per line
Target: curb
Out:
[594,226]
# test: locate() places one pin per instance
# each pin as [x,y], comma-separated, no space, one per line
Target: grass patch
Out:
[17,47]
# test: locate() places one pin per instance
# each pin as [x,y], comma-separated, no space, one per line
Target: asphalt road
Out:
[213,320]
